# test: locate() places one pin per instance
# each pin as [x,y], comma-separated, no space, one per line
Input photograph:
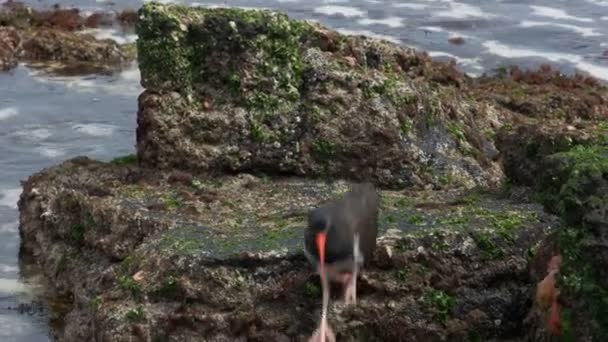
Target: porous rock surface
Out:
[180,243]
[230,90]
[51,40]
[144,254]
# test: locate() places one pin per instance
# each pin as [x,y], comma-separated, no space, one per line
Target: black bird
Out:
[340,239]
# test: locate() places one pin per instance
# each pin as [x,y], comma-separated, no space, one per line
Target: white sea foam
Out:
[97,130]
[369,34]
[8,268]
[583,31]
[596,71]
[9,197]
[499,49]
[346,11]
[14,328]
[127,83]
[50,152]
[35,134]
[432,28]
[457,10]
[392,22]
[10,227]
[113,34]
[416,7]
[503,50]
[598,2]
[556,13]
[8,112]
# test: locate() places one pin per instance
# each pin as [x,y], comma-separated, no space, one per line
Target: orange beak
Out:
[321,247]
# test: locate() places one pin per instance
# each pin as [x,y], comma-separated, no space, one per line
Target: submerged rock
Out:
[231,90]
[220,258]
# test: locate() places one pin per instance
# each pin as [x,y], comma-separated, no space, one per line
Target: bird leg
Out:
[324,333]
[350,291]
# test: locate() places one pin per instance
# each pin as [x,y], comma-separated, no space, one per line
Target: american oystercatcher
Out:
[339,240]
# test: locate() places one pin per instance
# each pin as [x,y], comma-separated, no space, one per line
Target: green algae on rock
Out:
[241,91]
[230,255]
[574,186]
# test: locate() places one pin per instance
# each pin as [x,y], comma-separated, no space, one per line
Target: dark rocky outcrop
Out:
[568,166]
[249,119]
[243,91]
[219,259]
[51,40]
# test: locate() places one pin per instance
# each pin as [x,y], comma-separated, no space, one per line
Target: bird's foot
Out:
[329,335]
[350,293]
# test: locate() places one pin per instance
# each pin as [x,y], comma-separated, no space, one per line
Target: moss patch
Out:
[129,159]
[574,187]
[440,302]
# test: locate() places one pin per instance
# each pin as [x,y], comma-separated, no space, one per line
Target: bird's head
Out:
[320,229]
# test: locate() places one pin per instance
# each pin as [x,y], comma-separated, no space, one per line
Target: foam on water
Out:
[392,22]
[8,112]
[10,227]
[459,10]
[4,268]
[432,28]
[502,50]
[114,34]
[50,152]
[127,85]
[97,130]
[418,7]
[598,2]
[596,71]
[12,286]
[9,197]
[33,134]
[346,11]
[556,13]
[583,31]
[13,326]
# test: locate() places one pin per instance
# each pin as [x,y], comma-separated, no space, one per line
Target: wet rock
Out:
[74,52]
[546,93]
[524,147]
[50,40]
[574,186]
[307,109]
[234,270]
[10,42]
[191,241]
[456,40]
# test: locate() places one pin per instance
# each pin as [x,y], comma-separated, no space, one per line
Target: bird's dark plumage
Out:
[356,212]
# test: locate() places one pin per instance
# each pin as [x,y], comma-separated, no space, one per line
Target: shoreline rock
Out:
[197,237]
[50,40]
[257,92]
[439,272]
